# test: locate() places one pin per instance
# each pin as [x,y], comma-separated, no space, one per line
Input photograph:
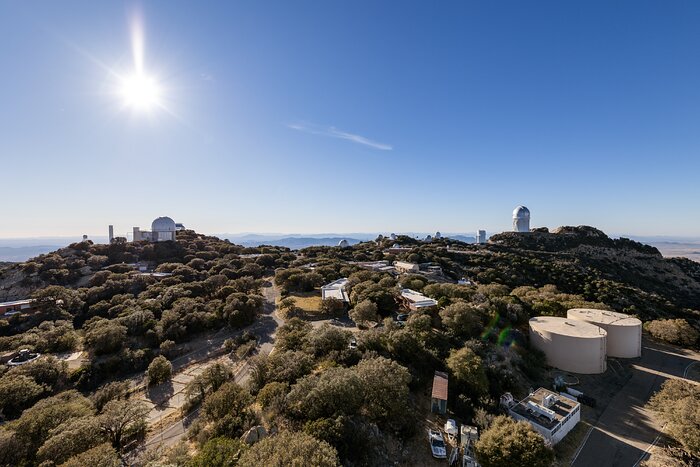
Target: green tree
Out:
[678,405]
[508,442]
[290,448]
[159,370]
[110,391]
[385,384]
[218,452]
[123,420]
[272,395]
[227,409]
[70,438]
[674,331]
[105,336]
[210,380]
[337,391]
[33,427]
[17,392]
[461,319]
[103,455]
[57,302]
[333,307]
[292,334]
[364,311]
[467,370]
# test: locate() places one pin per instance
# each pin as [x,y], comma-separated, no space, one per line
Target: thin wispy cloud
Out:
[334,132]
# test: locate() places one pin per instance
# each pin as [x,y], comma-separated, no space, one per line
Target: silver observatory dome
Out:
[163,224]
[521,219]
[521,212]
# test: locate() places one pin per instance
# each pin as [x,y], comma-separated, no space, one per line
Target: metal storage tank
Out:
[570,345]
[624,331]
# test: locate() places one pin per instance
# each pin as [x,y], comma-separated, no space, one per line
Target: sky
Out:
[350,116]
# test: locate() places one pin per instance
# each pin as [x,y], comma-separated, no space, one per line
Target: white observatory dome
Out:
[521,219]
[438,235]
[343,243]
[163,224]
[521,212]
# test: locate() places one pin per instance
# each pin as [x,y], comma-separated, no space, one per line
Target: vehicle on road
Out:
[437,444]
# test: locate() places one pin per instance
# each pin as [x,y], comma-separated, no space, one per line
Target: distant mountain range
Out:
[21,249]
[23,253]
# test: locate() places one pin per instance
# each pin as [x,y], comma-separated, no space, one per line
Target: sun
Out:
[141,92]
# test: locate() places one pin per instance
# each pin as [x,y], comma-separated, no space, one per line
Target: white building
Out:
[481,236]
[521,219]
[336,289]
[344,244]
[416,301]
[162,230]
[551,414]
[404,266]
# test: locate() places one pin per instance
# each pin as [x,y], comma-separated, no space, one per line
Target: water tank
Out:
[624,331]
[570,345]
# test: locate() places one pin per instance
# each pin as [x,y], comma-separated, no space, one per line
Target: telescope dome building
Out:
[521,219]
[569,344]
[624,331]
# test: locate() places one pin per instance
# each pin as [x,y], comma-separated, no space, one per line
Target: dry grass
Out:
[565,449]
[309,302]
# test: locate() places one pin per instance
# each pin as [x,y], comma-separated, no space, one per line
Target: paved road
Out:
[625,430]
[264,329]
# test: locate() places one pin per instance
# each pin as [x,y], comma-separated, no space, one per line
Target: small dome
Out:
[521,212]
[438,234]
[163,224]
[343,243]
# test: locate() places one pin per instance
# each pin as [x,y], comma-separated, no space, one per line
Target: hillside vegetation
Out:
[340,396]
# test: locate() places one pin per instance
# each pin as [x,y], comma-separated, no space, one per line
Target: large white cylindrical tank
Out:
[570,345]
[624,331]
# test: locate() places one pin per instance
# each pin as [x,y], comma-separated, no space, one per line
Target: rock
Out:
[254,435]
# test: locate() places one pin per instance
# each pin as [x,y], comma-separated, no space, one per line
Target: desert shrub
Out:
[673,331]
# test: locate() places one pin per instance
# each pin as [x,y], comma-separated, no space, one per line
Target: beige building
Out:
[404,266]
[624,331]
[570,345]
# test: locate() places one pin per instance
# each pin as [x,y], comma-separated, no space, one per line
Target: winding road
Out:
[264,329]
[626,430]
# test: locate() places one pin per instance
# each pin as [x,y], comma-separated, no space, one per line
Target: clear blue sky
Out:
[352,116]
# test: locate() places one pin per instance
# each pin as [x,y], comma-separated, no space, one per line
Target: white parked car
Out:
[437,444]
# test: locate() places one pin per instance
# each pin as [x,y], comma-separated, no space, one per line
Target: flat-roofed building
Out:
[16,307]
[438,401]
[336,289]
[416,301]
[551,414]
[404,266]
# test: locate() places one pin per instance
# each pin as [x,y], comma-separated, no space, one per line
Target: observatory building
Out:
[344,244]
[569,344]
[521,219]
[624,331]
[162,230]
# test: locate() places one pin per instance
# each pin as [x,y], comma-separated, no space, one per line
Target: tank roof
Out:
[567,327]
[604,317]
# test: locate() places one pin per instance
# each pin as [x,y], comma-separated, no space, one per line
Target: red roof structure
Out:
[440,385]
